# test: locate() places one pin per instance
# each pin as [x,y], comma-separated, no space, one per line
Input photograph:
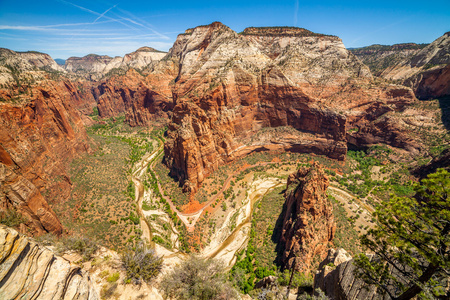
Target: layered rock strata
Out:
[142,98]
[427,72]
[336,277]
[39,135]
[95,66]
[31,271]
[380,57]
[25,68]
[231,86]
[308,221]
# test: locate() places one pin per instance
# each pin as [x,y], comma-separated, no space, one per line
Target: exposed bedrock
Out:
[38,138]
[31,271]
[308,221]
[231,87]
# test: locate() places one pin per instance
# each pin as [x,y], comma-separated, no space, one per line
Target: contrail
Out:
[137,21]
[47,27]
[104,13]
[98,14]
[296,13]
[121,18]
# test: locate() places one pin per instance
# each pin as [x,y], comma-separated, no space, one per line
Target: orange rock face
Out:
[142,99]
[230,87]
[37,140]
[308,222]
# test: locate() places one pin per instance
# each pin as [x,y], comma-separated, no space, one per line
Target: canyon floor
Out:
[129,196]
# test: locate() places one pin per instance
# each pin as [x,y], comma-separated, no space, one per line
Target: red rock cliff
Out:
[308,222]
[229,86]
[142,98]
[38,137]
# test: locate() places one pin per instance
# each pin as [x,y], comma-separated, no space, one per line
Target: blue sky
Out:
[64,28]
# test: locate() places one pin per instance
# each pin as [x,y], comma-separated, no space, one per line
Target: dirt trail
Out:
[194,216]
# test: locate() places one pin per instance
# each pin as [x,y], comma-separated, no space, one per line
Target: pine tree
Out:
[411,242]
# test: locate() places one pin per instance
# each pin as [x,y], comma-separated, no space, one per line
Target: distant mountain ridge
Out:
[380,57]
[95,66]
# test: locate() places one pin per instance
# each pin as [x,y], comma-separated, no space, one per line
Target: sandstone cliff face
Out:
[95,66]
[25,67]
[142,98]
[428,71]
[31,271]
[308,222]
[229,86]
[39,135]
[380,57]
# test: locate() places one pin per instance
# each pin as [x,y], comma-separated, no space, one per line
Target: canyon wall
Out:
[380,57]
[427,72]
[94,66]
[230,86]
[143,98]
[40,133]
[308,221]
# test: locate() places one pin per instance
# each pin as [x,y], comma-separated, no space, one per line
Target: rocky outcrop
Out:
[25,68]
[380,57]
[39,135]
[440,161]
[31,271]
[427,72]
[337,279]
[231,86]
[94,66]
[308,222]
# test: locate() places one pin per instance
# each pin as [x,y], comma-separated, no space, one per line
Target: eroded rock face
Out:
[142,98]
[25,67]
[380,57]
[428,71]
[337,279]
[38,138]
[230,86]
[308,222]
[31,271]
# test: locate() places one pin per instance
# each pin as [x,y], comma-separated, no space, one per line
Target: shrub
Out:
[12,218]
[142,264]
[108,290]
[196,278]
[83,245]
[114,277]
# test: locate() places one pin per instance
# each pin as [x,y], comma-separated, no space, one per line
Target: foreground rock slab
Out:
[31,271]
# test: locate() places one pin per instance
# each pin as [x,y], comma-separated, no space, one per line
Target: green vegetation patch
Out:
[101,204]
[346,236]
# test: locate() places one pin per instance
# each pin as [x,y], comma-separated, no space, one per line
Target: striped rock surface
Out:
[31,271]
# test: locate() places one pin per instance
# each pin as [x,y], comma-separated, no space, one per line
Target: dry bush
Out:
[197,278]
[142,264]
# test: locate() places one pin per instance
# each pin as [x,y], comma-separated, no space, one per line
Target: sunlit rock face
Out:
[427,72]
[31,271]
[39,135]
[308,222]
[95,66]
[230,86]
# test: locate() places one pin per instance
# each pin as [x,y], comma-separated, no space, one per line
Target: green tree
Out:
[411,242]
